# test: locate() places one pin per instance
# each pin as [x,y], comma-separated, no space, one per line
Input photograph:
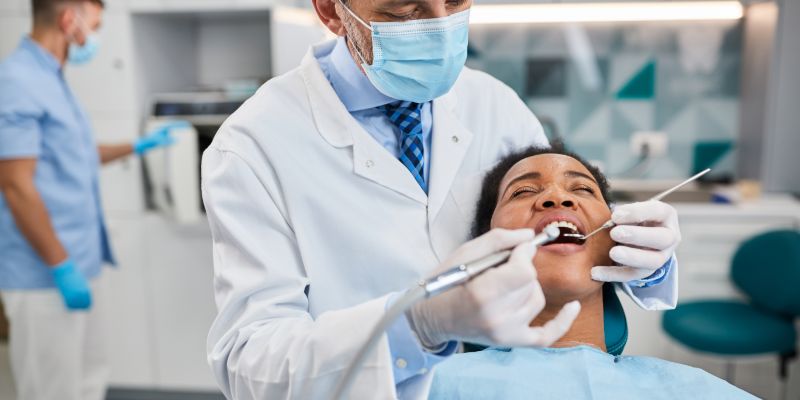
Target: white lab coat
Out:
[314,224]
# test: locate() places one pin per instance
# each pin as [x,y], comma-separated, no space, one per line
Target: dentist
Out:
[344,181]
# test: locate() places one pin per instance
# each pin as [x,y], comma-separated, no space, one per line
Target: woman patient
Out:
[532,189]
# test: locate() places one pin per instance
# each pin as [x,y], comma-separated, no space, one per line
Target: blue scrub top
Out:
[40,118]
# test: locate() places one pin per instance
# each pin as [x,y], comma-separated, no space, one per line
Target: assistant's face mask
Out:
[82,54]
[417,60]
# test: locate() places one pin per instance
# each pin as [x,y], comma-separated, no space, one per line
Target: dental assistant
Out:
[53,238]
[344,181]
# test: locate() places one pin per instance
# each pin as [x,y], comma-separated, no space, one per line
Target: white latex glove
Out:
[648,234]
[496,307]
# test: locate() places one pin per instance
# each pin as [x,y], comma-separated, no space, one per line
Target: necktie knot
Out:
[406,115]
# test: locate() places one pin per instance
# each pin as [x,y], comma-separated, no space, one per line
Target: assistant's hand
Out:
[495,308]
[159,137]
[648,234]
[73,286]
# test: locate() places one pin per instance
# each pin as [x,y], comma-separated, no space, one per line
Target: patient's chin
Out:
[567,283]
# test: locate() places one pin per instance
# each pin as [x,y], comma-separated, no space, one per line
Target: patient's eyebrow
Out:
[523,177]
[578,174]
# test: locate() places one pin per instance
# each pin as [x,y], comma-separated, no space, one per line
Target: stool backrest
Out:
[767,268]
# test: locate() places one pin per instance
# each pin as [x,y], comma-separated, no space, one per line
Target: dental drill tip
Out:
[552,231]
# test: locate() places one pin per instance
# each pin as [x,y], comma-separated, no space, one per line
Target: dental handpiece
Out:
[611,224]
[462,273]
[438,284]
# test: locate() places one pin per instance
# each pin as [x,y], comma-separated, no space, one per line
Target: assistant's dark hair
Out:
[45,10]
[491,182]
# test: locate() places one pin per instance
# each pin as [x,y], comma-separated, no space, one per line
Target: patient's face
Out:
[542,189]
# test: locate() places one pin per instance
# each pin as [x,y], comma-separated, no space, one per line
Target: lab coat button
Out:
[454,139]
[401,363]
[369,163]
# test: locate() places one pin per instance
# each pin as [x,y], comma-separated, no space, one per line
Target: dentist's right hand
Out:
[73,286]
[495,308]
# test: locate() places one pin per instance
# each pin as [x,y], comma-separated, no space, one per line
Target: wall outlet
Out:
[654,143]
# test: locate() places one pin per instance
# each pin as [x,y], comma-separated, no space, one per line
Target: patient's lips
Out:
[571,229]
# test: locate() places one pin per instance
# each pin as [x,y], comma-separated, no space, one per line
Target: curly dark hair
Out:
[491,182]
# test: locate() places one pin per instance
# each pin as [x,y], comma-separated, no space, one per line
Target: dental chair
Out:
[767,269]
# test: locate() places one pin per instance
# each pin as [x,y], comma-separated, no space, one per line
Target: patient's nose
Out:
[555,199]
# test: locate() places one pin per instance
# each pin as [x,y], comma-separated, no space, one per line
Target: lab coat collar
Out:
[340,129]
[327,110]
[370,160]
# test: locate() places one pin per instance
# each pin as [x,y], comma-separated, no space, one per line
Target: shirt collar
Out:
[44,57]
[350,83]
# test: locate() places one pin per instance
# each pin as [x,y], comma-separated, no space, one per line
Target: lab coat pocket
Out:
[465,192]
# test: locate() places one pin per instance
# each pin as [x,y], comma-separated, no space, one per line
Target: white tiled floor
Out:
[6,384]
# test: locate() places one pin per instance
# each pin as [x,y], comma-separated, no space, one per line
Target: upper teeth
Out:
[564,224]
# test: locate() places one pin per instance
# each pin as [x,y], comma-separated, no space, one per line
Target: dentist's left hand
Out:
[160,137]
[647,234]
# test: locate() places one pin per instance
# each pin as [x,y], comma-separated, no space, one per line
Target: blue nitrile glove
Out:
[159,137]
[73,286]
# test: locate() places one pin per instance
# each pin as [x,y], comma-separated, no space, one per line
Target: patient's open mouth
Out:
[569,233]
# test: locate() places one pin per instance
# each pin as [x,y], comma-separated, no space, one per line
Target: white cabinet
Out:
[105,86]
[162,304]
[13,26]
[180,274]
[14,6]
[129,298]
[206,5]
[121,183]
[711,235]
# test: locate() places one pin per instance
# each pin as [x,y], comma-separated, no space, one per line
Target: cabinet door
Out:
[128,295]
[121,182]
[708,247]
[183,305]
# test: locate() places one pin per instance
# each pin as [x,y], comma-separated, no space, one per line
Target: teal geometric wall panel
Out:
[641,86]
[707,154]
[647,84]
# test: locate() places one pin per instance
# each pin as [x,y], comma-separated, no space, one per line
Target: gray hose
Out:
[396,310]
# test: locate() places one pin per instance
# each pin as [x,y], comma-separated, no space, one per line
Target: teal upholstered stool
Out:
[767,269]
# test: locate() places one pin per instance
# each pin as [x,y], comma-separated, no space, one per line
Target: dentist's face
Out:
[360,38]
[547,188]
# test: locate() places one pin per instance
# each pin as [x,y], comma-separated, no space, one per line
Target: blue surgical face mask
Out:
[82,54]
[417,60]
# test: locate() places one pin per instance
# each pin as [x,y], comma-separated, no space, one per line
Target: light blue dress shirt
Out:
[362,99]
[40,118]
[581,372]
